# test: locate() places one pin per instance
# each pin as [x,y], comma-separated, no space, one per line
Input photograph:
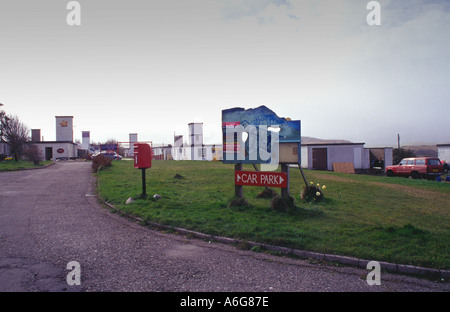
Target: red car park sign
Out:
[260,178]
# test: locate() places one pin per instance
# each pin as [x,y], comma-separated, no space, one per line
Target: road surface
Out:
[50,217]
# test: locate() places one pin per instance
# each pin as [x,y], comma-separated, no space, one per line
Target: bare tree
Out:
[15,132]
[2,120]
[32,153]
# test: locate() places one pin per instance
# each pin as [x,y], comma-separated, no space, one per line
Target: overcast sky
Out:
[152,67]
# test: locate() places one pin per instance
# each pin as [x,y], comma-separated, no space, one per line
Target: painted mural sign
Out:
[253,136]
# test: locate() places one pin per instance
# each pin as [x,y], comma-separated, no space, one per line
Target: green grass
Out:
[371,217]
[11,165]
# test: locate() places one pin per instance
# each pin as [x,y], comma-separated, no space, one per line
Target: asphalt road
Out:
[49,217]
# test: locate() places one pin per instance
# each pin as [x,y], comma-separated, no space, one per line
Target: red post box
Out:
[142,156]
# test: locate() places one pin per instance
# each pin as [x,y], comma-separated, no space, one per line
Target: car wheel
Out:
[415,175]
[390,173]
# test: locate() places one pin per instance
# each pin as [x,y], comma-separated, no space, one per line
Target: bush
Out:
[282,205]
[313,192]
[400,153]
[2,157]
[99,162]
[33,154]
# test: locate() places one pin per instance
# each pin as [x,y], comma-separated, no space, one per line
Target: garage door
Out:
[320,158]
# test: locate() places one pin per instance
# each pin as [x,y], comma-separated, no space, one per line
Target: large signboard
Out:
[108,147]
[253,136]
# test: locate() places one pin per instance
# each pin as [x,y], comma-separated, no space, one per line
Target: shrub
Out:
[33,154]
[400,153]
[2,157]
[313,192]
[282,205]
[99,162]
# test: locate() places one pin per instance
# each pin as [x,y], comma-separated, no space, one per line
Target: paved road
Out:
[48,217]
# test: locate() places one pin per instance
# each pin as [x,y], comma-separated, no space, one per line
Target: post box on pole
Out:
[142,160]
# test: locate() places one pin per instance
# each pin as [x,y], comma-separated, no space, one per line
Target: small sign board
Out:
[344,167]
[261,178]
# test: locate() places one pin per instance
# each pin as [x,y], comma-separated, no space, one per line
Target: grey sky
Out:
[152,67]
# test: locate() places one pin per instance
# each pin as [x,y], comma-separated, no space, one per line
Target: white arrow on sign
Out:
[238,177]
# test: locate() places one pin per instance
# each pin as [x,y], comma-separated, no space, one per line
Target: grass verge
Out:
[371,217]
[12,165]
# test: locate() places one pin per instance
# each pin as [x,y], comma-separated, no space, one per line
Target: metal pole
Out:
[238,189]
[285,191]
[144,190]
[303,175]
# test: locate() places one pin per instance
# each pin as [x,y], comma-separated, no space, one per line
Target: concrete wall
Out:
[388,156]
[304,157]
[444,153]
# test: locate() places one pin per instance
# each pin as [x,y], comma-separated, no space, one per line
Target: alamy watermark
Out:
[74,16]
[374,276]
[74,276]
[255,144]
[374,16]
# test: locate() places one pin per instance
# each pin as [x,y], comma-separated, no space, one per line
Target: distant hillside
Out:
[311,140]
[423,150]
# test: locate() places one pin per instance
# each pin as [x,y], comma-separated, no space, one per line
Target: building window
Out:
[201,152]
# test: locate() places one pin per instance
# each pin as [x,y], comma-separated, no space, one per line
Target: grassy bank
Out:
[11,165]
[371,217]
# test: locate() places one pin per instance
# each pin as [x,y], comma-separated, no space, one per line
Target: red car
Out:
[417,167]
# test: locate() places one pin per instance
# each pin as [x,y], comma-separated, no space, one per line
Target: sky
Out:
[152,67]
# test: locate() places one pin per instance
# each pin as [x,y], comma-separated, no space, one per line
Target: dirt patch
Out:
[413,191]
[335,178]
[267,193]
[409,190]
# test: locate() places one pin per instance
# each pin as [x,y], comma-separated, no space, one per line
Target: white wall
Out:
[70,150]
[388,156]
[304,158]
[444,153]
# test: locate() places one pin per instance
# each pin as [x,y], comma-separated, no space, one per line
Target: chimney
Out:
[35,135]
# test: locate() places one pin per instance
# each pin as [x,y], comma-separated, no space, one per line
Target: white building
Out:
[381,157]
[63,147]
[129,150]
[5,148]
[195,149]
[321,156]
[85,140]
[444,152]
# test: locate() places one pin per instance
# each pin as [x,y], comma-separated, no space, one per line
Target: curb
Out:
[349,261]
